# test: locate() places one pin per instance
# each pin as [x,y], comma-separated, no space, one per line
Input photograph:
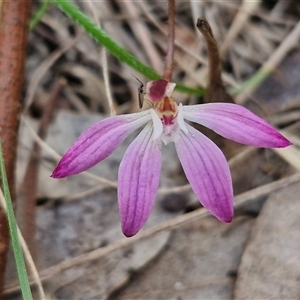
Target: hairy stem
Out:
[171,38]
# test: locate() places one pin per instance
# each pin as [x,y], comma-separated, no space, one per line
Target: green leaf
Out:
[39,14]
[253,81]
[114,48]
[17,250]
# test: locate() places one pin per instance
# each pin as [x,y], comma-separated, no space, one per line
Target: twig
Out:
[245,11]
[142,33]
[291,41]
[290,154]
[232,162]
[215,91]
[228,79]
[199,214]
[105,69]
[27,203]
[57,157]
[168,225]
[159,27]
[43,69]
[76,101]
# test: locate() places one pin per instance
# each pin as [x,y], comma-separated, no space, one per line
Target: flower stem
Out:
[114,48]
[171,37]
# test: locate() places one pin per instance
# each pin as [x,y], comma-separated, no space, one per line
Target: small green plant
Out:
[13,229]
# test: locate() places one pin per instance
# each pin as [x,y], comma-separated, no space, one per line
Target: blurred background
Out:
[74,231]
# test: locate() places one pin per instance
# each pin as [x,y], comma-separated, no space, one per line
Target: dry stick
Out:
[290,42]
[171,37]
[168,225]
[44,67]
[287,117]
[216,91]
[197,8]
[75,101]
[146,10]
[81,195]
[105,69]
[57,157]
[237,159]
[239,200]
[228,79]
[27,203]
[14,17]
[142,32]
[107,83]
[245,11]
[290,154]
[233,162]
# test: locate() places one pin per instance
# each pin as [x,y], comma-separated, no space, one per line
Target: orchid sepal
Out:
[98,142]
[236,123]
[139,174]
[207,171]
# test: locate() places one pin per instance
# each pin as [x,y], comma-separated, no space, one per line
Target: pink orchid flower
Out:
[203,162]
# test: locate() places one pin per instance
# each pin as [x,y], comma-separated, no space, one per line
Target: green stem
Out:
[39,14]
[254,81]
[17,250]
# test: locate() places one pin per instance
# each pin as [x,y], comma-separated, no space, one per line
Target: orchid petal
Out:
[138,180]
[98,142]
[236,123]
[207,171]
